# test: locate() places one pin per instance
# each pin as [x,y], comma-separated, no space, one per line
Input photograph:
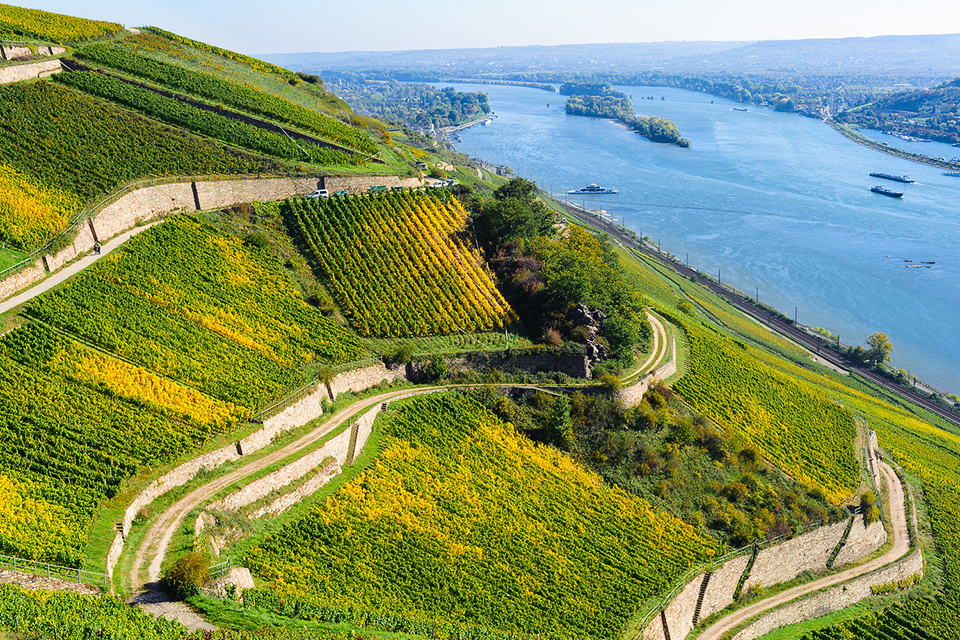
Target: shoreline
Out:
[851,134]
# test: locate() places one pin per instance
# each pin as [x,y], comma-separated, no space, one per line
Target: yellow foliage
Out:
[29,213]
[31,525]
[134,382]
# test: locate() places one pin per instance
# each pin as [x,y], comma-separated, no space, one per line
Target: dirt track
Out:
[901,545]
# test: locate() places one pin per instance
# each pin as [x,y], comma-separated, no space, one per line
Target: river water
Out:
[774,203]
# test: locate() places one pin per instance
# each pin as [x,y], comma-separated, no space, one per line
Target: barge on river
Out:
[886,192]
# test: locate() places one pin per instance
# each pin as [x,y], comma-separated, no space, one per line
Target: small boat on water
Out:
[592,189]
[740,109]
[887,176]
[952,174]
[886,192]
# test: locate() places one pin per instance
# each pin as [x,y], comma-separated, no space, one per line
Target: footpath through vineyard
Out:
[154,545]
[901,545]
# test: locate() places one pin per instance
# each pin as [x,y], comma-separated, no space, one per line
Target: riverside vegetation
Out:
[124,368]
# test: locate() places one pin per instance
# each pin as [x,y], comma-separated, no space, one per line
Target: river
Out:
[775,203]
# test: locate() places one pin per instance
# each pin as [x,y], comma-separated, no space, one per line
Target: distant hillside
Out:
[930,113]
[934,57]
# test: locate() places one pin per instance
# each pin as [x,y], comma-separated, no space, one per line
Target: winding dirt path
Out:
[901,545]
[155,543]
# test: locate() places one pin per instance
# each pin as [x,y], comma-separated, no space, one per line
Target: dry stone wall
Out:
[361,184]
[861,542]
[360,379]
[679,614]
[773,565]
[337,448]
[216,195]
[723,583]
[840,596]
[20,72]
[22,279]
[296,415]
[143,205]
[789,559]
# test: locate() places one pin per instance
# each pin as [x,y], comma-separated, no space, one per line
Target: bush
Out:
[610,382]
[868,507]
[187,574]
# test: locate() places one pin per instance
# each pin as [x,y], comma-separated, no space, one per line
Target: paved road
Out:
[71,270]
[901,545]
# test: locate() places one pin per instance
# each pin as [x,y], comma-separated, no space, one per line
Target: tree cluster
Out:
[621,110]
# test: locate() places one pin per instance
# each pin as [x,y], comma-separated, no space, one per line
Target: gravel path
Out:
[901,545]
[157,539]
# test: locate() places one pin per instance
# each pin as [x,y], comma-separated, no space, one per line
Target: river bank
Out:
[853,135]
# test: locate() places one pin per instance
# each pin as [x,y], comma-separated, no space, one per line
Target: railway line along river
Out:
[774,203]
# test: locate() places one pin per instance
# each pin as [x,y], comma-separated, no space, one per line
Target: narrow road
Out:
[72,269]
[155,543]
[901,545]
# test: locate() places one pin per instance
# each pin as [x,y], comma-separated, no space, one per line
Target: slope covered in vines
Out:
[462,522]
[400,263]
[198,306]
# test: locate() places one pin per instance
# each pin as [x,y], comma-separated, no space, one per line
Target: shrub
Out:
[187,574]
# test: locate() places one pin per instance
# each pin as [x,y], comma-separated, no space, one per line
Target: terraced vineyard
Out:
[29,211]
[460,522]
[68,437]
[231,325]
[779,414]
[20,23]
[400,264]
[228,93]
[53,162]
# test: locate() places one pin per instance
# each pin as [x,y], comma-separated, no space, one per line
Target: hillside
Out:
[509,499]
[932,113]
[152,103]
[461,522]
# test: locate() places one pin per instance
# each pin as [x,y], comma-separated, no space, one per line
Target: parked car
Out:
[319,193]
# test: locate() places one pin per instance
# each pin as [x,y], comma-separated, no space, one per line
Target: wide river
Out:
[774,203]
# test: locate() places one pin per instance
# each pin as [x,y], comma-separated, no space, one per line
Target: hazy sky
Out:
[282,26]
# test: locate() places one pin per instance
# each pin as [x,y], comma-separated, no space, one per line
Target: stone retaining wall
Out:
[42,583]
[360,379]
[861,542]
[296,415]
[337,448]
[143,205]
[787,560]
[774,565]
[834,599]
[20,52]
[722,585]
[20,72]
[361,184]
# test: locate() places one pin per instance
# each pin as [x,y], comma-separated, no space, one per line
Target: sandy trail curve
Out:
[157,539]
[901,545]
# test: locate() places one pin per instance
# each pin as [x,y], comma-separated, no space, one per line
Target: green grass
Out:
[459,343]
[229,614]
[9,257]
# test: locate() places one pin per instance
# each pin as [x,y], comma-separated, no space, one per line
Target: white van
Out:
[319,193]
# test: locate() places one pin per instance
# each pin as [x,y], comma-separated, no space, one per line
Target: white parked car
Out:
[319,193]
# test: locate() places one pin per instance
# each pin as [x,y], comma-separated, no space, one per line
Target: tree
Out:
[879,348]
